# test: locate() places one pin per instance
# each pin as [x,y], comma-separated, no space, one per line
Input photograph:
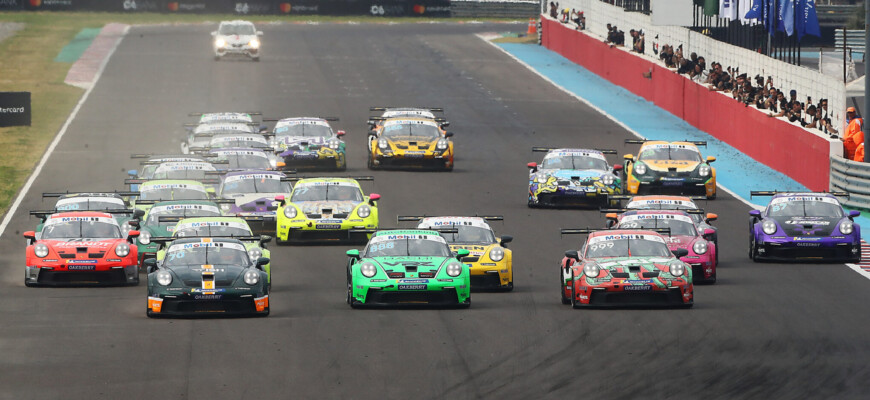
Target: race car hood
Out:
[622,264]
[413,142]
[664,165]
[679,241]
[163,230]
[82,248]
[260,202]
[317,207]
[807,226]
[410,265]
[574,174]
[301,142]
[224,275]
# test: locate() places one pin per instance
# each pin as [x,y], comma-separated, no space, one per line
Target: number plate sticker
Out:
[412,287]
[81,267]
[328,226]
[638,288]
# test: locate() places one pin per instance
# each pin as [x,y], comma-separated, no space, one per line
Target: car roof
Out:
[656,142]
[81,214]
[660,197]
[605,232]
[650,212]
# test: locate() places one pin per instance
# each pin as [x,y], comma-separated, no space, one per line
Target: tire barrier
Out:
[852,177]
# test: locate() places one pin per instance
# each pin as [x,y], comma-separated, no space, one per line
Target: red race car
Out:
[81,248]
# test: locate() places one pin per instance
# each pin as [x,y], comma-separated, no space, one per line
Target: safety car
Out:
[412,143]
[327,209]
[236,38]
[663,167]
[572,177]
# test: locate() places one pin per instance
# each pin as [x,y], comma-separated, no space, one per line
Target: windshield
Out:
[163,194]
[90,204]
[677,227]
[237,141]
[258,184]
[246,161]
[180,211]
[805,207]
[225,254]
[81,229]
[574,162]
[326,192]
[212,230]
[669,152]
[408,245]
[310,130]
[180,174]
[237,29]
[411,130]
[627,246]
[469,234]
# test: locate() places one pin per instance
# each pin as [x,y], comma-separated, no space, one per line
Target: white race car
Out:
[237,38]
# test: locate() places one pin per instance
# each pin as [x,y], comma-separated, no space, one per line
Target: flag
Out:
[778,14]
[711,7]
[727,9]
[787,16]
[807,20]
[770,16]
[749,10]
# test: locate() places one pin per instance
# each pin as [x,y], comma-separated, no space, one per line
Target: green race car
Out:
[154,227]
[408,266]
[327,209]
[207,277]
[217,227]
[151,192]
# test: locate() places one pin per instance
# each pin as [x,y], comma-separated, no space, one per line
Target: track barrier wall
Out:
[799,153]
[852,177]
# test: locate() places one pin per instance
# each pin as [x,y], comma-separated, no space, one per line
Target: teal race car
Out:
[408,267]
[153,226]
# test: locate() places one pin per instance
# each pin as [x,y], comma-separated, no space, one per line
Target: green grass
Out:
[27,64]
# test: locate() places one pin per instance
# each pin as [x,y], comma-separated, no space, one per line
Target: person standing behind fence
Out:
[855,125]
[859,153]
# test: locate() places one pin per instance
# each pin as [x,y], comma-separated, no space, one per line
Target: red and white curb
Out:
[863,267]
[84,71]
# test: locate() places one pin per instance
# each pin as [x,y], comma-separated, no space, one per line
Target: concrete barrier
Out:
[852,177]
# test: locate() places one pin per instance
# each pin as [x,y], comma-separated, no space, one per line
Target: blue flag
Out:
[756,11]
[787,16]
[807,20]
[777,15]
[770,16]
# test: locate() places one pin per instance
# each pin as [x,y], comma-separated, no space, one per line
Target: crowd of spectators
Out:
[567,16]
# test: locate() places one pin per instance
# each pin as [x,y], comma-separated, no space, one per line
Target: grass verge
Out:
[27,64]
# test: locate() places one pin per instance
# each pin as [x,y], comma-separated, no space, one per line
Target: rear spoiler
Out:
[199,114]
[774,192]
[356,178]
[417,218]
[202,161]
[177,218]
[441,230]
[206,181]
[45,213]
[331,119]
[205,151]
[547,149]
[60,194]
[432,109]
[631,196]
[376,118]
[642,141]
[586,231]
[156,155]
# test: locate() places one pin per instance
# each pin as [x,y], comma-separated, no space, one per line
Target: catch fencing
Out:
[852,177]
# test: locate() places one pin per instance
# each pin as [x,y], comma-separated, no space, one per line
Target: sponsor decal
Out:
[200,290]
[81,261]
[413,287]
[414,280]
[411,263]
[207,296]
[140,5]
[81,267]
[327,226]
[807,222]
[82,244]
[804,244]
[640,288]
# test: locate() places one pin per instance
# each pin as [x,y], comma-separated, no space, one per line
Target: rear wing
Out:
[205,151]
[642,141]
[331,119]
[159,155]
[204,181]
[199,114]
[774,192]
[149,162]
[61,194]
[586,231]
[356,178]
[45,213]
[417,218]
[382,108]
[547,149]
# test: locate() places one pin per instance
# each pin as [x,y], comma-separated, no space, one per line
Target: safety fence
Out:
[852,177]
[494,8]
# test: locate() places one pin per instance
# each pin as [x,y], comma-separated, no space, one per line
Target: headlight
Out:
[454,269]
[41,250]
[678,269]
[607,179]
[704,170]
[769,227]
[252,277]
[145,238]
[442,144]
[255,253]
[122,250]
[700,247]
[591,270]
[640,169]
[334,143]
[368,269]
[496,254]
[541,178]
[225,207]
[364,211]
[846,227]
[290,211]
[125,227]
[164,278]
[220,42]
[254,43]
[382,144]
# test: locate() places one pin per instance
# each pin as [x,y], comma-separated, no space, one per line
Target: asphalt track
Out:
[763,331]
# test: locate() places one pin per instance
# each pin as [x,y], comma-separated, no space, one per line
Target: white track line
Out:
[57,138]
[594,107]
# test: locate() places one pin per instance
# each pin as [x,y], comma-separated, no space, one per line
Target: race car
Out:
[572,177]
[202,134]
[374,123]
[152,227]
[219,227]
[151,192]
[237,38]
[150,162]
[242,159]
[407,267]
[112,202]
[490,262]
[327,209]
[236,140]
[625,268]
[411,143]
[804,226]
[309,143]
[81,248]
[220,117]
[669,168]
[252,193]
[207,277]
[682,234]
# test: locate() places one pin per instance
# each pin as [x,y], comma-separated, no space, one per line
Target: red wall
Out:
[787,148]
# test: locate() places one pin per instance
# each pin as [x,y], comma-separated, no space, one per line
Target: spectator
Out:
[811,119]
[795,113]
[825,119]
[578,19]
[554,10]
[637,40]
[667,56]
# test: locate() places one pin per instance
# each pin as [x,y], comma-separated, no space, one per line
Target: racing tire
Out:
[753,250]
[280,242]
[369,162]
[465,304]
[686,306]
[532,204]
[30,284]
[353,303]
[265,314]
[149,313]
[508,288]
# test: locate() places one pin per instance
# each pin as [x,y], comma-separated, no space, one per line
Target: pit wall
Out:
[799,153]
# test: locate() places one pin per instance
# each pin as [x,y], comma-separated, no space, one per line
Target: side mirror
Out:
[680,252]
[710,159]
[448,134]
[259,33]
[30,236]
[461,253]
[711,217]
[138,213]
[854,213]
[280,199]
[262,261]
[353,253]
[134,223]
[708,233]
[755,213]
[628,157]
[264,239]
[611,216]
[572,254]
[533,166]
[505,240]
[445,124]
[133,173]
[340,133]
[373,198]
[280,164]
[617,168]
[150,264]
[132,235]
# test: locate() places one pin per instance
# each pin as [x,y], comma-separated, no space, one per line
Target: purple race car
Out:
[804,226]
[309,143]
[254,194]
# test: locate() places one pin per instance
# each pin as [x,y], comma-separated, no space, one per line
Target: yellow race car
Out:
[410,142]
[327,209]
[675,168]
[489,260]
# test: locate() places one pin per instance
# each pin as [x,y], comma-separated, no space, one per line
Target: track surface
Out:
[781,331]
